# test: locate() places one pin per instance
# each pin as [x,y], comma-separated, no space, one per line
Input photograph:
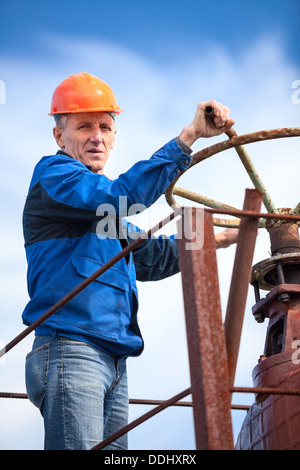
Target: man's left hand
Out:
[226,238]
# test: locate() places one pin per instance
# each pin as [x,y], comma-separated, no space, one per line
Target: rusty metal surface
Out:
[206,340]
[263,305]
[283,267]
[246,139]
[200,199]
[227,210]
[262,272]
[205,332]
[13,395]
[242,213]
[273,422]
[241,275]
[191,196]
[266,390]
[236,142]
[272,425]
[284,235]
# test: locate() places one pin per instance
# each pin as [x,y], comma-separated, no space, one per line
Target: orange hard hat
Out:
[83,92]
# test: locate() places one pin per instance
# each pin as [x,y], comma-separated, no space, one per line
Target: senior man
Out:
[76,371]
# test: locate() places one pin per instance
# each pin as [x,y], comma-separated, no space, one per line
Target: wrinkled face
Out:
[87,137]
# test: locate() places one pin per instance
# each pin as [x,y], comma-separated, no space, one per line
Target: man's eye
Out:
[85,125]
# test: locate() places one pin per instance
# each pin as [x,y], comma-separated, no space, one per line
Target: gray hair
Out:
[61,119]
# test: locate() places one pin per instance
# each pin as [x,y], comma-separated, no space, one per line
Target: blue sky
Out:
[161,58]
[163,30]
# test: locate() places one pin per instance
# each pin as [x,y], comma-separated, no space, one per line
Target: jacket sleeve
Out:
[69,182]
[155,259]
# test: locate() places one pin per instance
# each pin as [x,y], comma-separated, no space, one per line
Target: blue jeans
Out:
[81,393]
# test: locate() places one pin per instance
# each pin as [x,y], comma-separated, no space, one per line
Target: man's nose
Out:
[96,136]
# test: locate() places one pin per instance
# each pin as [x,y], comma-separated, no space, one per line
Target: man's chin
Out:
[96,164]
[96,168]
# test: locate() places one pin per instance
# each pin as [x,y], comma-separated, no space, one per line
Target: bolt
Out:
[259,317]
[284,297]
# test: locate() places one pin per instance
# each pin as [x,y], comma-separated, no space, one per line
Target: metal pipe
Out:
[255,178]
[252,137]
[256,291]
[248,165]
[230,143]
[255,214]
[284,296]
[269,390]
[200,199]
[132,401]
[240,280]
[280,273]
[205,336]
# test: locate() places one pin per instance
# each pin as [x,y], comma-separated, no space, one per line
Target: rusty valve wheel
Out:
[237,142]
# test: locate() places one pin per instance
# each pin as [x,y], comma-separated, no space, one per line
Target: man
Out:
[76,372]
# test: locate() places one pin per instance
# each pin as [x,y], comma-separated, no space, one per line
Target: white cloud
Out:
[158,103]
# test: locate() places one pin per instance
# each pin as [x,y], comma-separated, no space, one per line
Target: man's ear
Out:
[58,136]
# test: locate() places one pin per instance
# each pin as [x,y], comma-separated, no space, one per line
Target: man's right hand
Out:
[203,127]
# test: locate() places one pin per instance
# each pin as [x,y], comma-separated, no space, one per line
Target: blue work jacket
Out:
[63,247]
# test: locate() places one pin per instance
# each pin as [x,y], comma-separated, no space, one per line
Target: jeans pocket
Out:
[36,374]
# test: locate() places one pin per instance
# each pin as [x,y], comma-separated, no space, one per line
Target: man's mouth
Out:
[94,150]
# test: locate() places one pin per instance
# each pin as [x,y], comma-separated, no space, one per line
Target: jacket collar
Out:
[61,152]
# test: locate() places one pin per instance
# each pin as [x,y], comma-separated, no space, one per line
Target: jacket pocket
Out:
[101,307]
[113,277]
